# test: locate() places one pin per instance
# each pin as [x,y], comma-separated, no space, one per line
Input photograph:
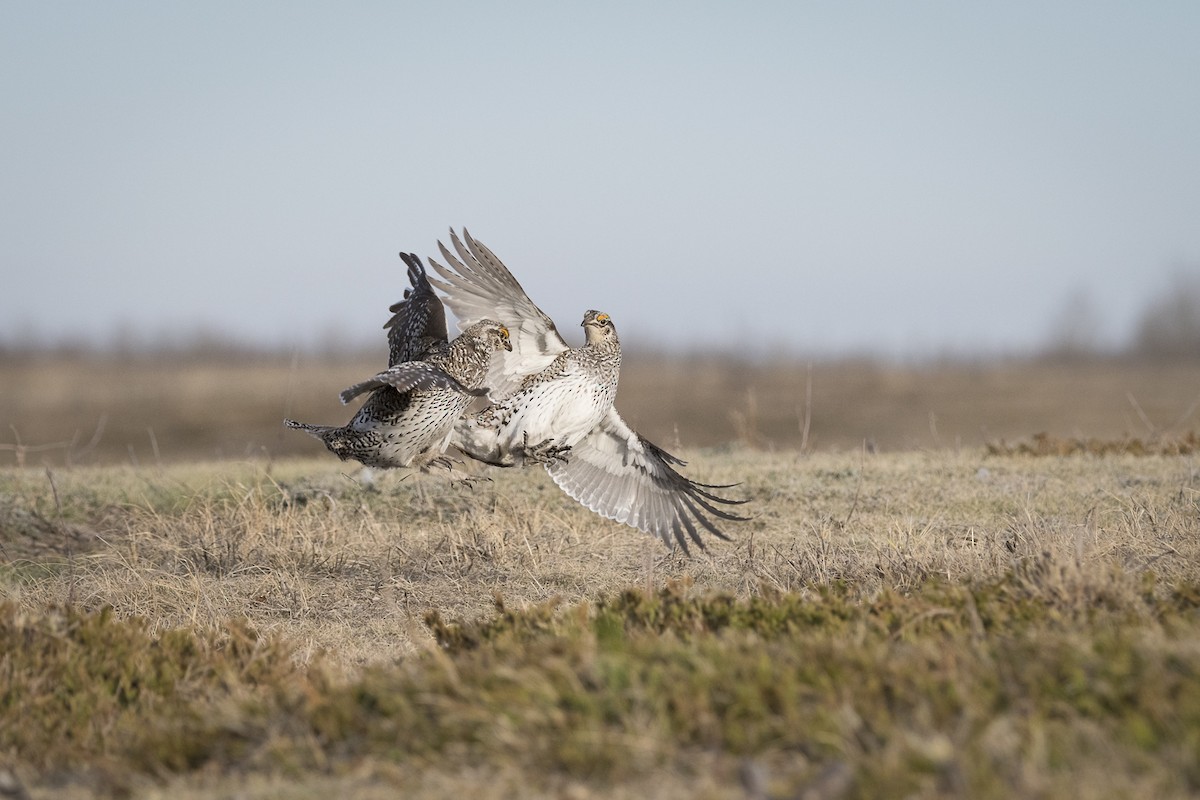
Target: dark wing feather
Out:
[619,475]
[410,375]
[418,323]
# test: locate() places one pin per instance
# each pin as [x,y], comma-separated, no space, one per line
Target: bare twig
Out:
[1187,414]
[862,459]
[54,491]
[154,448]
[20,449]
[1141,414]
[95,440]
[807,411]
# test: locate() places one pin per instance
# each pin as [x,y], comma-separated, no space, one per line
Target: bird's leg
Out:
[545,452]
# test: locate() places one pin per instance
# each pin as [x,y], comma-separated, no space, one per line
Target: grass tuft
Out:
[1044,444]
[945,690]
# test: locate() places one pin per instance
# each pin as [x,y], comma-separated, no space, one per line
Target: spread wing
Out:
[418,322]
[619,475]
[409,375]
[478,286]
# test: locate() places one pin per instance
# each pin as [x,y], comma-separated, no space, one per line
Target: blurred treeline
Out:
[207,397]
[1168,327]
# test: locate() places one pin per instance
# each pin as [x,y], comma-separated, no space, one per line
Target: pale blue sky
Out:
[905,177]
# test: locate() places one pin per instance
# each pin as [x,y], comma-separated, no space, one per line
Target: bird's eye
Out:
[504,333]
[602,318]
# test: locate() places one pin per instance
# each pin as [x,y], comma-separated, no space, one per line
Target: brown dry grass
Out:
[345,567]
[308,549]
[347,570]
[156,410]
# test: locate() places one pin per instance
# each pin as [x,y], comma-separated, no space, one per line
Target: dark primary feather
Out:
[418,322]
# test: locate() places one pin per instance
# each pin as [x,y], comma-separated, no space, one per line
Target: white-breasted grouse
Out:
[408,418]
[553,404]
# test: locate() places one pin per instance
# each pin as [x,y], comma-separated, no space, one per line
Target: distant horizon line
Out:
[210,346]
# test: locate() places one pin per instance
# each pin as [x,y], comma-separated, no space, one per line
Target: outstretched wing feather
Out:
[616,473]
[409,376]
[478,286]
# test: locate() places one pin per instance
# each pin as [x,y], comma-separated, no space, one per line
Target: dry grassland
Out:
[914,624]
[152,410]
[931,600]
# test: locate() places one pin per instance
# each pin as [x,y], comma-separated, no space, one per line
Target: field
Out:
[63,409]
[910,612]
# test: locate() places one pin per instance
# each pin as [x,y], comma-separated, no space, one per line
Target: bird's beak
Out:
[507,345]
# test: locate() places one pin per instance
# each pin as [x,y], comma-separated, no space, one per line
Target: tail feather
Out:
[321,432]
[339,441]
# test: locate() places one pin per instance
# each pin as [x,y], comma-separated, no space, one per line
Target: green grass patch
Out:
[997,689]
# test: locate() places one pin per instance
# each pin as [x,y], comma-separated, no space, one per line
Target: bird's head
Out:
[497,335]
[598,327]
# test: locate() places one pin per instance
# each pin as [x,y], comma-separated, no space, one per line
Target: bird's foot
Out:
[469,481]
[443,462]
[465,481]
[545,452]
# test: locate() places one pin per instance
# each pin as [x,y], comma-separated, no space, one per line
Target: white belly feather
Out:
[564,410]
